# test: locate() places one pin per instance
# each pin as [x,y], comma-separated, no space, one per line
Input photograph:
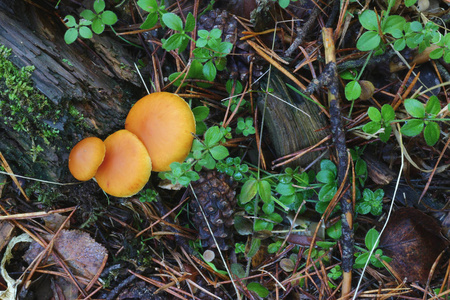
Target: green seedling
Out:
[180,39]
[371,242]
[154,10]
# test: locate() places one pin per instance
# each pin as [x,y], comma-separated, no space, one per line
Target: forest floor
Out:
[319,168]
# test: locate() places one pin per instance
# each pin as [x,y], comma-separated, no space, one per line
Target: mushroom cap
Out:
[85,158]
[165,124]
[126,167]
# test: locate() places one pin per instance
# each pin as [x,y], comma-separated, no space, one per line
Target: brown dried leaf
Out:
[413,240]
[80,252]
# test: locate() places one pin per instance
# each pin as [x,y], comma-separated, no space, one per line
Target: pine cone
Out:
[216,194]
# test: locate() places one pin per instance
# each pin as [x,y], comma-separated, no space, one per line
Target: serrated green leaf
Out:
[173,21]
[248,191]
[415,108]
[431,133]
[368,20]
[368,41]
[412,127]
[363,208]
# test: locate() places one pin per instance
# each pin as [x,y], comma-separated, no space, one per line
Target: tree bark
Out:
[96,77]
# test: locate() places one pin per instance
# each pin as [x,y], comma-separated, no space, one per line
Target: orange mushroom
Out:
[165,124]
[86,157]
[126,167]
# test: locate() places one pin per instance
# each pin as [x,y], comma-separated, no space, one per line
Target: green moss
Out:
[22,107]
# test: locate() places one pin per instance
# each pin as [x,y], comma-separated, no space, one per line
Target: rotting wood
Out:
[97,79]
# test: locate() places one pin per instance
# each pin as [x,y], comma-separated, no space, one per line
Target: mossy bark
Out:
[90,86]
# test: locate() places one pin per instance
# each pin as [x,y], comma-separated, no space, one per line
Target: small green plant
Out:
[211,51]
[97,19]
[327,177]
[148,195]
[372,38]
[285,3]
[380,120]
[372,202]
[235,99]
[180,39]
[335,272]
[377,257]
[155,12]
[424,118]
[245,126]
[204,154]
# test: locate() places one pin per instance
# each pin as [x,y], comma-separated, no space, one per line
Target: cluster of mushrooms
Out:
[159,130]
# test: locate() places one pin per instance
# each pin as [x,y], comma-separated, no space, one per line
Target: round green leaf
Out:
[150,21]
[71,35]
[374,114]
[99,6]
[327,164]
[433,106]
[431,133]
[327,192]
[285,189]
[109,18]
[400,44]
[248,191]
[258,287]
[173,42]
[412,127]
[415,108]
[326,176]
[85,32]
[368,41]
[97,26]
[372,127]
[148,5]
[437,53]
[283,3]
[173,21]
[264,191]
[352,90]
[70,21]
[210,71]
[388,113]
[368,20]
[219,152]
[88,14]
[394,25]
[200,113]
[371,239]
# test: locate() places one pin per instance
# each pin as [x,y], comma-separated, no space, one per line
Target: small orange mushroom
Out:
[164,122]
[126,167]
[86,157]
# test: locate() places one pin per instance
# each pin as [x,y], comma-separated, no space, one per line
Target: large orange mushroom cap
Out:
[126,167]
[86,157]
[165,124]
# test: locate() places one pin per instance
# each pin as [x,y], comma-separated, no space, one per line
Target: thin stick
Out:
[338,134]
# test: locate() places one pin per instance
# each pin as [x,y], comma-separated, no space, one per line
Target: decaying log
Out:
[96,77]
